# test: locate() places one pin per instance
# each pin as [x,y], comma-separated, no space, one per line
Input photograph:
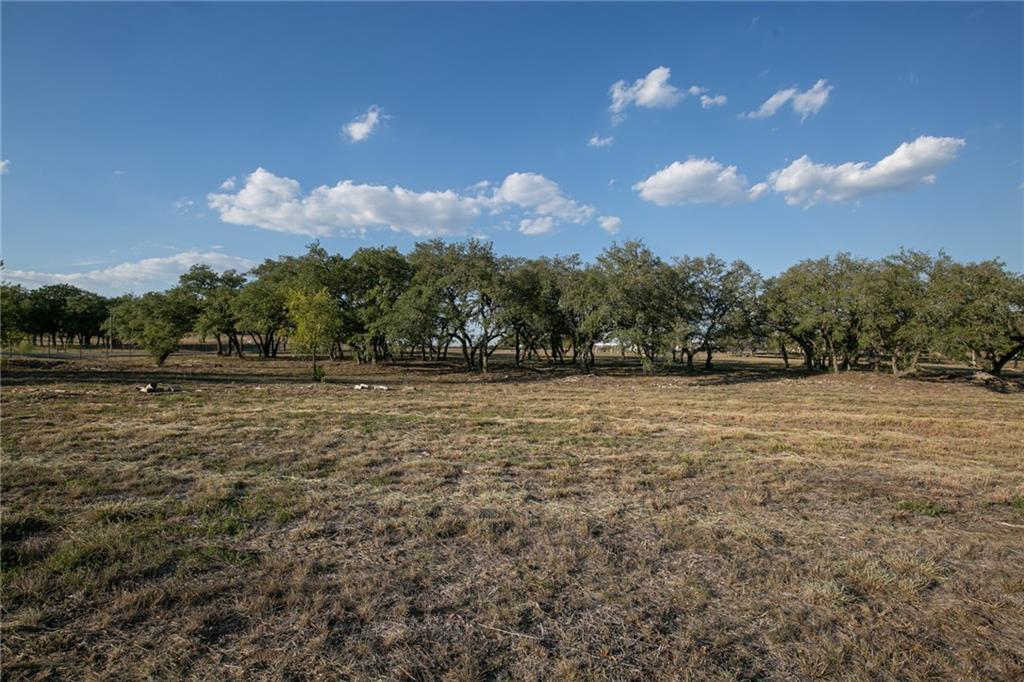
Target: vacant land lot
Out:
[748,523]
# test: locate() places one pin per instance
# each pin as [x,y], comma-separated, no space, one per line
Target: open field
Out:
[748,523]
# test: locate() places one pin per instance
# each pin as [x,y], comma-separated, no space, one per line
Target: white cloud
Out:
[119,172]
[811,101]
[653,90]
[610,223]
[142,275]
[535,226]
[362,126]
[184,204]
[598,141]
[277,203]
[805,183]
[5,166]
[698,181]
[707,101]
[536,193]
[772,104]
[803,103]
[229,183]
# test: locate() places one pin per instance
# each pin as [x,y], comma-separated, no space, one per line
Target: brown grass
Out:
[750,523]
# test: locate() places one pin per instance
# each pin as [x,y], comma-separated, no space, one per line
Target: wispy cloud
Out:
[708,101]
[610,223]
[363,126]
[803,103]
[142,275]
[598,141]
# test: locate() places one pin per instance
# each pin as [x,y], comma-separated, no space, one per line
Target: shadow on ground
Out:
[206,369]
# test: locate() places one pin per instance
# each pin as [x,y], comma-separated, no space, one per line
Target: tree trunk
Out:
[785,354]
[998,362]
[707,361]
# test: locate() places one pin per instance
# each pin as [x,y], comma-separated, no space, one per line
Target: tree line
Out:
[450,300]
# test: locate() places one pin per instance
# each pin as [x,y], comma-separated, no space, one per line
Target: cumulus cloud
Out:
[4,166]
[362,126]
[698,181]
[278,203]
[538,194]
[610,223]
[805,183]
[653,90]
[142,275]
[707,101]
[598,141]
[803,103]
[228,184]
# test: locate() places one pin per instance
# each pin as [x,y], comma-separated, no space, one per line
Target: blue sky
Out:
[122,121]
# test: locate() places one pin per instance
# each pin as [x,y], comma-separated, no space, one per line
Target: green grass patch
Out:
[924,507]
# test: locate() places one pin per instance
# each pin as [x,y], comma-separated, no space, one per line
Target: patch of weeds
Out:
[284,515]
[228,524]
[924,507]
[79,557]
[81,487]
[1017,504]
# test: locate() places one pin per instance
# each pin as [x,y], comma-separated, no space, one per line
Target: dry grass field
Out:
[750,523]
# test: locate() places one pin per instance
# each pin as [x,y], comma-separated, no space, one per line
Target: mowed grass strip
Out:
[750,523]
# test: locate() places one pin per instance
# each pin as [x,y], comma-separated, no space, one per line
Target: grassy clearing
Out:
[743,524]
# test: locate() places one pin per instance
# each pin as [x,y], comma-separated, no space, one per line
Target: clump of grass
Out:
[924,507]
[78,557]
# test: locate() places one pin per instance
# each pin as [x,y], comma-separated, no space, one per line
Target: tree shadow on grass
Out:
[204,369]
[1009,382]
